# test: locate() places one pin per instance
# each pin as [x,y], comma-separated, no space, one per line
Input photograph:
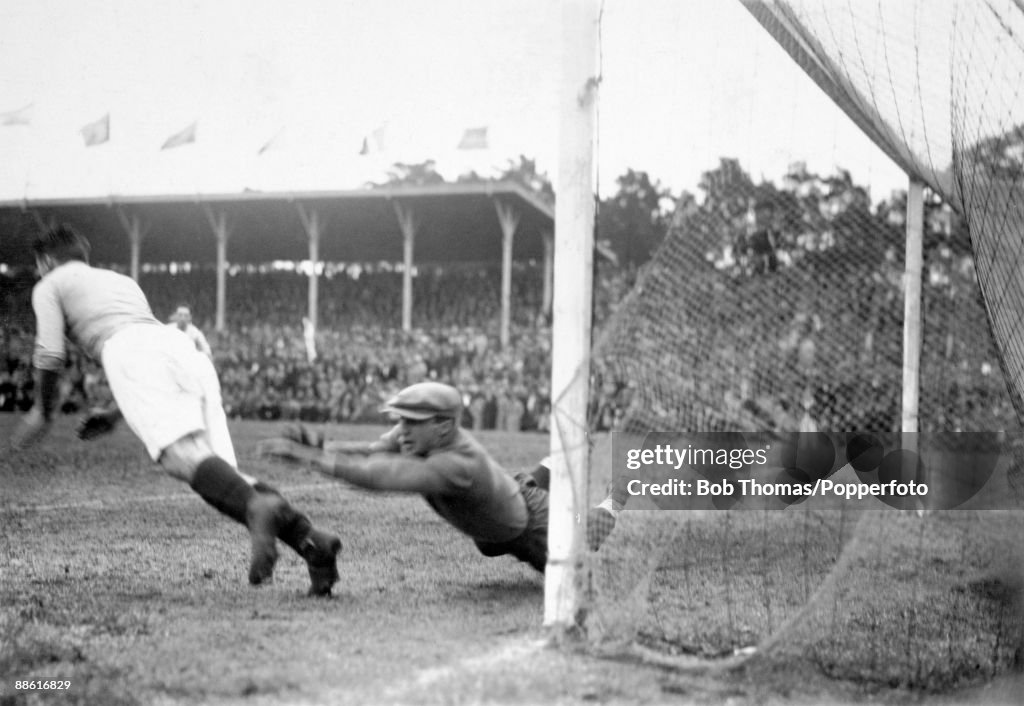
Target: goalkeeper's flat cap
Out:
[425,400]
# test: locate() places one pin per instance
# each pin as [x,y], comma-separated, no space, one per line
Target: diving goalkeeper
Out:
[428,453]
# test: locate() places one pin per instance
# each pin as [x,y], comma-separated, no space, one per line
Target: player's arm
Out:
[203,345]
[386,471]
[387,443]
[308,436]
[48,361]
[99,421]
[379,471]
[37,422]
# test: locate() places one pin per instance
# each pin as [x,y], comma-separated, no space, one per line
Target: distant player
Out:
[428,453]
[182,320]
[167,392]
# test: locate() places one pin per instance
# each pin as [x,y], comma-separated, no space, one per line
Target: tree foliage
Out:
[416,174]
[635,219]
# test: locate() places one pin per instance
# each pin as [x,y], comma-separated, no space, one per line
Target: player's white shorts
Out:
[166,389]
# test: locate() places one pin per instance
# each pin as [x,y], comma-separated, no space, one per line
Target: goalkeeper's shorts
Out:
[532,545]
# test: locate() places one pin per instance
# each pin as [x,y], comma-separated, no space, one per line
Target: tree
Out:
[1000,157]
[634,221]
[419,174]
[524,172]
[719,225]
[727,191]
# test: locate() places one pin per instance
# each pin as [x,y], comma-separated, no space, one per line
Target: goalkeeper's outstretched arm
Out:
[307,436]
[375,471]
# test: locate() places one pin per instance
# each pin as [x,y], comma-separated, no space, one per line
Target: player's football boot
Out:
[320,550]
[263,516]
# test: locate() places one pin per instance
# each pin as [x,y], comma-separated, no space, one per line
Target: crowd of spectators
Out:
[362,355]
[733,349]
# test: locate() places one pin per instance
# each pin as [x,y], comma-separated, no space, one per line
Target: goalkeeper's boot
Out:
[319,549]
[601,521]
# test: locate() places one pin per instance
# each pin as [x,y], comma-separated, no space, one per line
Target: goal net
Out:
[771,319]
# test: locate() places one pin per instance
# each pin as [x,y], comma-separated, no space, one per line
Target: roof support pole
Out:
[407,222]
[508,217]
[548,239]
[219,223]
[136,231]
[312,224]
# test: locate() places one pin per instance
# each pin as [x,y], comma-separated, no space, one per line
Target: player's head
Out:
[182,316]
[428,414]
[764,211]
[58,245]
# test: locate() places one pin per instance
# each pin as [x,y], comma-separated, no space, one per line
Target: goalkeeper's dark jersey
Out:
[484,501]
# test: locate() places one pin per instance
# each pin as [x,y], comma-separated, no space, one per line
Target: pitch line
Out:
[142,499]
[486,662]
[481,664]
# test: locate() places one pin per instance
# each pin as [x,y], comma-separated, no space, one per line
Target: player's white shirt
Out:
[196,336]
[165,388]
[87,304]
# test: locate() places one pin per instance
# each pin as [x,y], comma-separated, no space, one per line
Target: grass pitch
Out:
[122,583]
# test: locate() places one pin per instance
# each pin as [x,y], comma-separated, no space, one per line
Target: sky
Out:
[683,83]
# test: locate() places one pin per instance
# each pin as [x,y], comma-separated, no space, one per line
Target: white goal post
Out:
[573,286]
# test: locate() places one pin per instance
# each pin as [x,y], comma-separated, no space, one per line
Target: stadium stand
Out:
[363,355]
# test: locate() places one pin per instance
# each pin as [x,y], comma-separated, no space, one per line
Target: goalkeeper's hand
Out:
[302,434]
[283,449]
[97,423]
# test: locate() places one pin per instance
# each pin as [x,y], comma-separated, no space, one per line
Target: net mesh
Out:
[778,305]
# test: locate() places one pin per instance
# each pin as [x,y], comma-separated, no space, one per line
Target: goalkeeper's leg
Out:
[600,519]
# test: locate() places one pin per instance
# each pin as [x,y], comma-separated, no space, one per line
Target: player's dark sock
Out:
[293,526]
[219,484]
[542,476]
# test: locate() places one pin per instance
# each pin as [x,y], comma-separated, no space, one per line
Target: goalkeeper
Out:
[428,453]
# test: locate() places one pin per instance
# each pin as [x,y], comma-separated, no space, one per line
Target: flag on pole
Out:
[374,142]
[183,137]
[274,142]
[97,132]
[475,138]
[21,116]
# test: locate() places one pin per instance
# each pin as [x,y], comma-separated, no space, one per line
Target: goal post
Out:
[573,287]
[913,268]
[806,314]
